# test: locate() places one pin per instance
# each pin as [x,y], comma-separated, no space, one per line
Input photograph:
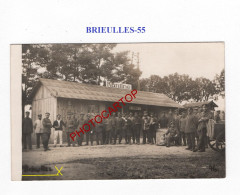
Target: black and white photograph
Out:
[107,111]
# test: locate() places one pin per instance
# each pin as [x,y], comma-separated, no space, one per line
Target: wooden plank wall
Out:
[44,102]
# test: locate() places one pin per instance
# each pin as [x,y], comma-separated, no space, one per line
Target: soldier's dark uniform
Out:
[152,129]
[202,130]
[191,126]
[119,129]
[108,128]
[145,127]
[137,127]
[126,129]
[70,127]
[98,132]
[132,118]
[80,124]
[27,129]
[91,132]
[46,132]
[182,125]
[113,131]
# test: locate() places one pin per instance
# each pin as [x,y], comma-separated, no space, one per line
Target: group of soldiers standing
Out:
[190,128]
[127,126]
[184,128]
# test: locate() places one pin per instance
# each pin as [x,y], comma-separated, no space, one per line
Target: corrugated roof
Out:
[199,104]
[74,90]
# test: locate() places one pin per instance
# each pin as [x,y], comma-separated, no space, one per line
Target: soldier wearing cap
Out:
[90,133]
[132,118]
[202,128]
[80,124]
[182,125]
[70,127]
[47,125]
[197,112]
[152,129]
[119,129]
[27,129]
[38,127]
[108,128]
[58,125]
[126,128]
[113,130]
[191,126]
[98,132]
[145,126]
[137,127]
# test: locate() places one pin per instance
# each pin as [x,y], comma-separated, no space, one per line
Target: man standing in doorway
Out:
[47,125]
[27,129]
[58,125]
[38,127]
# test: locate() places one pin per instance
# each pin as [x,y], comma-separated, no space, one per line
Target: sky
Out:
[195,59]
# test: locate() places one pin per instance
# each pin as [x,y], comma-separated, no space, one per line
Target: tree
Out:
[85,63]
[32,57]
[220,83]
[180,87]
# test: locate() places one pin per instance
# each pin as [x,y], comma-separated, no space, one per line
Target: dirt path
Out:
[126,161]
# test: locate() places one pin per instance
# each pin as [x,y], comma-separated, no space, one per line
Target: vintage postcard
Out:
[118,111]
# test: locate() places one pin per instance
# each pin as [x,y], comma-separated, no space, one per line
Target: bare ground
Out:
[125,162]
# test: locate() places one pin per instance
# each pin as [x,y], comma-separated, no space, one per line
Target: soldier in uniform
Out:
[80,124]
[202,128]
[145,126]
[132,118]
[137,127]
[191,125]
[124,117]
[119,129]
[127,128]
[47,125]
[108,128]
[152,129]
[89,134]
[98,132]
[70,127]
[182,124]
[112,132]
[27,129]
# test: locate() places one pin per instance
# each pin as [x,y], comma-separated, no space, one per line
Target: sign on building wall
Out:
[135,108]
[118,85]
